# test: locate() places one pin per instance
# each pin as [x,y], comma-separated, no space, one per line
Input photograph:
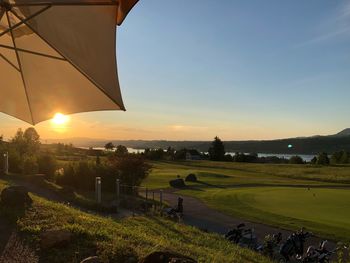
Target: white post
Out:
[6,163]
[98,189]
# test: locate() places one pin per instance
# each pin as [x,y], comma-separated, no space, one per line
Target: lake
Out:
[305,157]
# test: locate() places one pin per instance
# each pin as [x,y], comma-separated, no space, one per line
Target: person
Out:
[180,207]
[178,211]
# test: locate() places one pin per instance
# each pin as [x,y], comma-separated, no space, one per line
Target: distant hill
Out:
[345,132]
[300,145]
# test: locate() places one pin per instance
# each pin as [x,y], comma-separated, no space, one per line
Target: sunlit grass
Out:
[119,240]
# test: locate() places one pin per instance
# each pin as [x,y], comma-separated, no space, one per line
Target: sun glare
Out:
[60,119]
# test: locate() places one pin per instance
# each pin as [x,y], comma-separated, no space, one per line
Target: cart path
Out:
[198,214]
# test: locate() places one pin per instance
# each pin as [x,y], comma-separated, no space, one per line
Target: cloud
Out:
[187,128]
[337,25]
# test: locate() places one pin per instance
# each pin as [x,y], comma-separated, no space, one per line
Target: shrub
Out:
[15,164]
[191,178]
[323,159]
[131,169]
[296,160]
[30,165]
[177,183]
[47,165]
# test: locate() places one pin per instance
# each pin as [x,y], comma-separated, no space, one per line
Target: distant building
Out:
[192,155]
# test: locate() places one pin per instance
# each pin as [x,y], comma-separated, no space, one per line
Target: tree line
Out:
[27,156]
[216,152]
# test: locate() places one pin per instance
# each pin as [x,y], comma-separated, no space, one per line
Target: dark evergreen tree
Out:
[217,150]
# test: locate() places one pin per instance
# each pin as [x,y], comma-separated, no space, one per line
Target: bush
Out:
[177,183]
[323,159]
[191,178]
[296,160]
[47,165]
[30,165]
[15,164]
[130,169]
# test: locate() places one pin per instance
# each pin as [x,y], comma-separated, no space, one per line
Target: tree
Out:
[296,160]
[132,169]
[27,142]
[314,160]
[323,159]
[170,152]
[109,146]
[121,150]
[32,140]
[18,142]
[217,150]
[344,159]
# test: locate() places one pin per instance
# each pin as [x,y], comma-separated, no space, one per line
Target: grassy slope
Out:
[290,207]
[118,240]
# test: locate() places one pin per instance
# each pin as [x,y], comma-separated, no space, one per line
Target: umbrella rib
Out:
[32,52]
[68,3]
[26,19]
[67,59]
[8,61]
[20,67]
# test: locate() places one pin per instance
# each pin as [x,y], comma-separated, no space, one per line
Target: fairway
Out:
[288,196]
[230,173]
[323,211]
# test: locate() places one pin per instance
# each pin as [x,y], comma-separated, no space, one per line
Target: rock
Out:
[15,196]
[191,178]
[94,259]
[166,257]
[177,183]
[55,238]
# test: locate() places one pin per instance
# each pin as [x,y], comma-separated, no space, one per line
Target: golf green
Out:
[322,210]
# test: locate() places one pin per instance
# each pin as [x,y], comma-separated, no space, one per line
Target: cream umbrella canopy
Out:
[59,56]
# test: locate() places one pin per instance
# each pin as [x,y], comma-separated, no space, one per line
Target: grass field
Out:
[221,173]
[117,240]
[267,193]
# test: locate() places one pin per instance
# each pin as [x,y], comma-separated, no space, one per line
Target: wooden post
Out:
[98,189]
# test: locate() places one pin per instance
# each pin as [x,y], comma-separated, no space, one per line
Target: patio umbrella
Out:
[59,56]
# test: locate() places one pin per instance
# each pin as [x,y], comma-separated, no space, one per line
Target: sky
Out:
[191,70]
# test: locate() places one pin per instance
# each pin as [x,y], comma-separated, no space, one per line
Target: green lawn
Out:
[223,173]
[321,210]
[118,240]
[269,193]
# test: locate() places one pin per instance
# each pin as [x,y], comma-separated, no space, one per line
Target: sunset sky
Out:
[190,70]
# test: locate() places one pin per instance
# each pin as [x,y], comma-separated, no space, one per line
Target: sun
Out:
[60,119]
